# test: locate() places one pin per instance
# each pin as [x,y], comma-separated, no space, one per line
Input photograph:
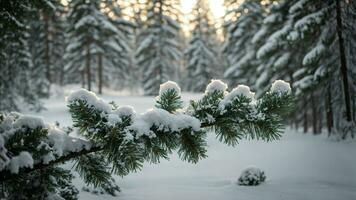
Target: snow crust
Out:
[169,85]
[24,159]
[90,98]
[215,85]
[280,87]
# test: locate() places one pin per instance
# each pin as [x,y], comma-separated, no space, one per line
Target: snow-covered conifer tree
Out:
[243,22]
[92,37]
[202,60]
[158,50]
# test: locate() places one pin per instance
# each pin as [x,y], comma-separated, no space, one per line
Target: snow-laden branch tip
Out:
[216,85]
[90,98]
[240,90]
[280,87]
[169,85]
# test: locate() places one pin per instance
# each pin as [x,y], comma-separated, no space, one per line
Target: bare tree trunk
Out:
[46,51]
[100,73]
[314,114]
[329,111]
[88,59]
[343,66]
[83,78]
[305,118]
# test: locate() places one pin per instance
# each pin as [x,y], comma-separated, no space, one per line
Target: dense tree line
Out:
[309,43]
[97,44]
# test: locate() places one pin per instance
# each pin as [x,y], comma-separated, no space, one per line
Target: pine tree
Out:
[202,60]
[116,140]
[16,84]
[119,63]
[274,53]
[158,51]
[240,52]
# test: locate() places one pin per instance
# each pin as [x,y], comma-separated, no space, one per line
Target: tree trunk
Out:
[343,66]
[305,118]
[83,78]
[314,114]
[329,111]
[46,50]
[100,73]
[88,59]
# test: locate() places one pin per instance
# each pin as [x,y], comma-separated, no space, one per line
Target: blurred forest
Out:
[139,44]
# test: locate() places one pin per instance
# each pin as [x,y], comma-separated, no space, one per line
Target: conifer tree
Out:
[158,50]
[238,48]
[202,60]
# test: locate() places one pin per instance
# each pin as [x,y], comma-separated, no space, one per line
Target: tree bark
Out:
[329,111]
[83,78]
[46,50]
[100,73]
[305,118]
[314,114]
[88,59]
[343,65]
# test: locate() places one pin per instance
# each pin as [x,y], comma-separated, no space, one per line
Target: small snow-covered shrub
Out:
[251,176]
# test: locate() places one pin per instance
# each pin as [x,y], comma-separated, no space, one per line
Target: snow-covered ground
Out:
[298,166]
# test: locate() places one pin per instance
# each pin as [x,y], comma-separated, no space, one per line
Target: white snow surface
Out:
[90,98]
[240,90]
[164,121]
[298,166]
[24,159]
[216,85]
[29,121]
[169,85]
[123,111]
[280,87]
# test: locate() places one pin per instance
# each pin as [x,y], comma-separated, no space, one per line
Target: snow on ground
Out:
[298,167]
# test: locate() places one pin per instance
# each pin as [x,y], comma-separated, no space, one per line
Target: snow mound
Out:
[169,85]
[29,121]
[280,87]
[215,85]
[125,111]
[251,176]
[24,159]
[240,90]
[90,98]
[164,121]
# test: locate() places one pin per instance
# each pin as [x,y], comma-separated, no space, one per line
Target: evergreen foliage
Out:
[158,50]
[202,58]
[119,141]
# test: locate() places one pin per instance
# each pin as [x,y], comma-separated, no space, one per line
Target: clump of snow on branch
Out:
[113,119]
[169,85]
[57,142]
[125,111]
[240,90]
[63,143]
[163,121]
[251,176]
[216,85]
[29,121]
[90,98]
[280,87]
[24,159]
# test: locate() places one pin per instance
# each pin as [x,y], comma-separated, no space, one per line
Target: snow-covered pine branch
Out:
[119,140]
